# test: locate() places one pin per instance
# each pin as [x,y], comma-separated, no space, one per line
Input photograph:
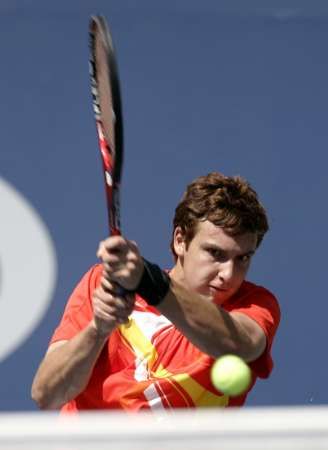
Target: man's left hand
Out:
[122,261]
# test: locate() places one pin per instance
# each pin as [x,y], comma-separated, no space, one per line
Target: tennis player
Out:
[154,348]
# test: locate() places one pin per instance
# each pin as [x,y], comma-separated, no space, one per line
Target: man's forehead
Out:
[218,236]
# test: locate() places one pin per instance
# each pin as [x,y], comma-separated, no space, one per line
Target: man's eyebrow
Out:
[249,253]
[213,245]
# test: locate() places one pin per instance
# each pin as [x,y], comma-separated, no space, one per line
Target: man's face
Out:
[215,263]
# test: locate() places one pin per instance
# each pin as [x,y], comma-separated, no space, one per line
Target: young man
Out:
[153,346]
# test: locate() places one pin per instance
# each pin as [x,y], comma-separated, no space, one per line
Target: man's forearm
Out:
[65,371]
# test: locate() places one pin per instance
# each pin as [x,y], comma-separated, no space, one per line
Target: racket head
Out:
[107,105]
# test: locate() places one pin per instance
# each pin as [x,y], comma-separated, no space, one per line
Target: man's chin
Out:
[217,296]
[221,296]
[211,298]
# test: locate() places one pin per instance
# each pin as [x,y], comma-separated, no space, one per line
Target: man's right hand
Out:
[109,308]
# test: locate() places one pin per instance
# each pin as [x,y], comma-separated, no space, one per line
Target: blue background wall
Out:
[207,86]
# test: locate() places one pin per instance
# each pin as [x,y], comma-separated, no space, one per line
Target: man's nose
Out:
[226,271]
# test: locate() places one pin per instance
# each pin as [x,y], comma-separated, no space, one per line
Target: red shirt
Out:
[149,364]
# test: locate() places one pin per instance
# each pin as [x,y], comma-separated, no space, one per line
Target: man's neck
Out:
[176,273]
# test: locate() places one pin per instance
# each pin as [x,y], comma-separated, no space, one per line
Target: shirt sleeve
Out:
[261,305]
[78,310]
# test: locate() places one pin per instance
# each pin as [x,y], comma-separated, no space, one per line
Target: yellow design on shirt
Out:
[146,352]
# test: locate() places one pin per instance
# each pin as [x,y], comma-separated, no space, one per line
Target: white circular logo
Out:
[28,269]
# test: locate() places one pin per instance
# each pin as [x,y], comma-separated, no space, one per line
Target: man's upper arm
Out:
[255,333]
[55,345]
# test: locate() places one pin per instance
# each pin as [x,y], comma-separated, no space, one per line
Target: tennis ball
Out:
[231,375]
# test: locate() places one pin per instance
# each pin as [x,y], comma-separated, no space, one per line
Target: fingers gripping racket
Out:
[106,97]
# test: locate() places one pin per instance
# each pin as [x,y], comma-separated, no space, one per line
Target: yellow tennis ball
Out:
[231,375]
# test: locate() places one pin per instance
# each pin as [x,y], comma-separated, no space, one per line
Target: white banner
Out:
[28,269]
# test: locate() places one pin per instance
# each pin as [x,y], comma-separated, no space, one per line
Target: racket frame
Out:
[111,155]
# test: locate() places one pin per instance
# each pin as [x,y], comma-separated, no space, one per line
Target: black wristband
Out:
[154,283]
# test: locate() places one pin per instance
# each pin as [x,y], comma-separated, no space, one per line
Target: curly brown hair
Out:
[227,202]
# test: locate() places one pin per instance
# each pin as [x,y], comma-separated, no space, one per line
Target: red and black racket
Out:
[105,88]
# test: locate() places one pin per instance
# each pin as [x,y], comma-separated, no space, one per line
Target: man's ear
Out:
[179,242]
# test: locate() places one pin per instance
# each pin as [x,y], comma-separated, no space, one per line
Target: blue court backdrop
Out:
[239,87]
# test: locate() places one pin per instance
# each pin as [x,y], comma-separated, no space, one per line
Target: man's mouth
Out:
[217,291]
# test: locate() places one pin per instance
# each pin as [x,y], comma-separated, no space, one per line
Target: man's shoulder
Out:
[94,271]
[248,287]
[257,302]
[251,293]
[90,278]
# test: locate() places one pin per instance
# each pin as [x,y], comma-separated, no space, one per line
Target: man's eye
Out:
[215,253]
[245,258]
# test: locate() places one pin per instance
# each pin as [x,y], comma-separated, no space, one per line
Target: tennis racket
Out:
[106,97]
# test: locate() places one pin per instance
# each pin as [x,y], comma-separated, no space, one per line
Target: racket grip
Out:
[122,292]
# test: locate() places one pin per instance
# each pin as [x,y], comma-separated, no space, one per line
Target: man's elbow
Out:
[41,398]
[246,349]
[252,350]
